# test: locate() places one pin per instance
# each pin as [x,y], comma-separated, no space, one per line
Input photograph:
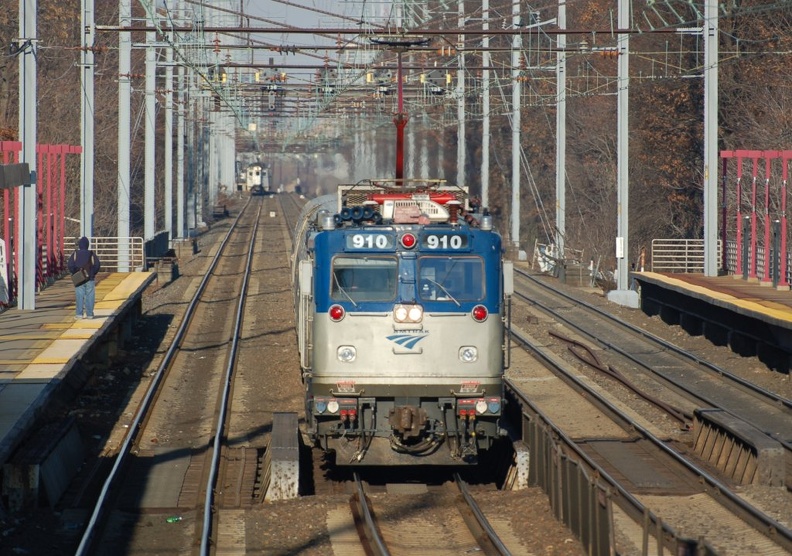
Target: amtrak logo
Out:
[407,341]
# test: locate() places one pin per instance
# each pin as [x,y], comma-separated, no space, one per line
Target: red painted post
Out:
[57,231]
[785,157]
[725,156]
[768,156]
[755,157]
[61,247]
[400,119]
[51,156]
[740,155]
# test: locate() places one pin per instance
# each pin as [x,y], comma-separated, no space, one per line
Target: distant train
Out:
[257,179]
[401,298]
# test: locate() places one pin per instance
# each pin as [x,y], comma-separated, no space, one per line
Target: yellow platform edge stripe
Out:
[784,315]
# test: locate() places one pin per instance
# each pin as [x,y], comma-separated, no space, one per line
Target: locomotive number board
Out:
[444,242]
[386,242]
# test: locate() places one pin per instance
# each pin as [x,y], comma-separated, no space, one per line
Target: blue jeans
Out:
[86,296]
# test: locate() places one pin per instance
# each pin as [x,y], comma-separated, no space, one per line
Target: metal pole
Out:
[561,134]
[26,195]
[623,99]
[400,120]
[181,230]
[169,140]
[623,294]
[149,213]
[124,127]
[87,170]
[516,147]
[711,138]
[485,129]
[461,100]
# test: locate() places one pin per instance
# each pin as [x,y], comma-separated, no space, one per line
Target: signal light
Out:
[479,313]
[408,241]
[336,313]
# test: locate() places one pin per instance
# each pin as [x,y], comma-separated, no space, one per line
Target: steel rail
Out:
[134,426]
[719,491]
[227,381]
[371,532]
[492,543]
[753,388]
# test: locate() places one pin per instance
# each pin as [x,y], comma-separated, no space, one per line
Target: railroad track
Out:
[732,410]
[169,464]
[626,457]
[422,517]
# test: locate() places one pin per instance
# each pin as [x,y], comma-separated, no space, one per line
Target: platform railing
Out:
[679,255]
[117,254]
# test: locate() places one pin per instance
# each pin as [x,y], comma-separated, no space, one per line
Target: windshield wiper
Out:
[439,285]
[342,290]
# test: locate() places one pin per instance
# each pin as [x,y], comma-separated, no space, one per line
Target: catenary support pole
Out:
[124,128]
[26,196]
[149,212]
[87,74]
[485,124]
[515,123]
[623,294]
[561,133]
[711,138]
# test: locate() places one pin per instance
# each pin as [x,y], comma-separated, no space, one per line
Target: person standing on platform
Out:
[85,293]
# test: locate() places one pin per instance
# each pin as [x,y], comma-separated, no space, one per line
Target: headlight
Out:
[400,313]
[481,406]
[468,354]
[346,354]
[415,314]
[407,313]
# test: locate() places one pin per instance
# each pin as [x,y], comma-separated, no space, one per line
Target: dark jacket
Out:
[84,258]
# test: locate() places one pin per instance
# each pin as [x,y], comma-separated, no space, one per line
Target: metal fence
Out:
[117,254]
[679,255]
[687,255]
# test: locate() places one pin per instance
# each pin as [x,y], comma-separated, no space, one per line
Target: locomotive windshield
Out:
[451,278]
[359,279]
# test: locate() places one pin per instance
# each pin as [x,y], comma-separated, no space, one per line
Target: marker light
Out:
[408,241]
[479,313]
[468,354]
[337,313]
[346,354]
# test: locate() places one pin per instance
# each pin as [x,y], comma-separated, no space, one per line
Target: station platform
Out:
[752,318]
[41,349]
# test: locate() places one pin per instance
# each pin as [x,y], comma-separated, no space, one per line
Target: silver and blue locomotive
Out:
[402,300]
